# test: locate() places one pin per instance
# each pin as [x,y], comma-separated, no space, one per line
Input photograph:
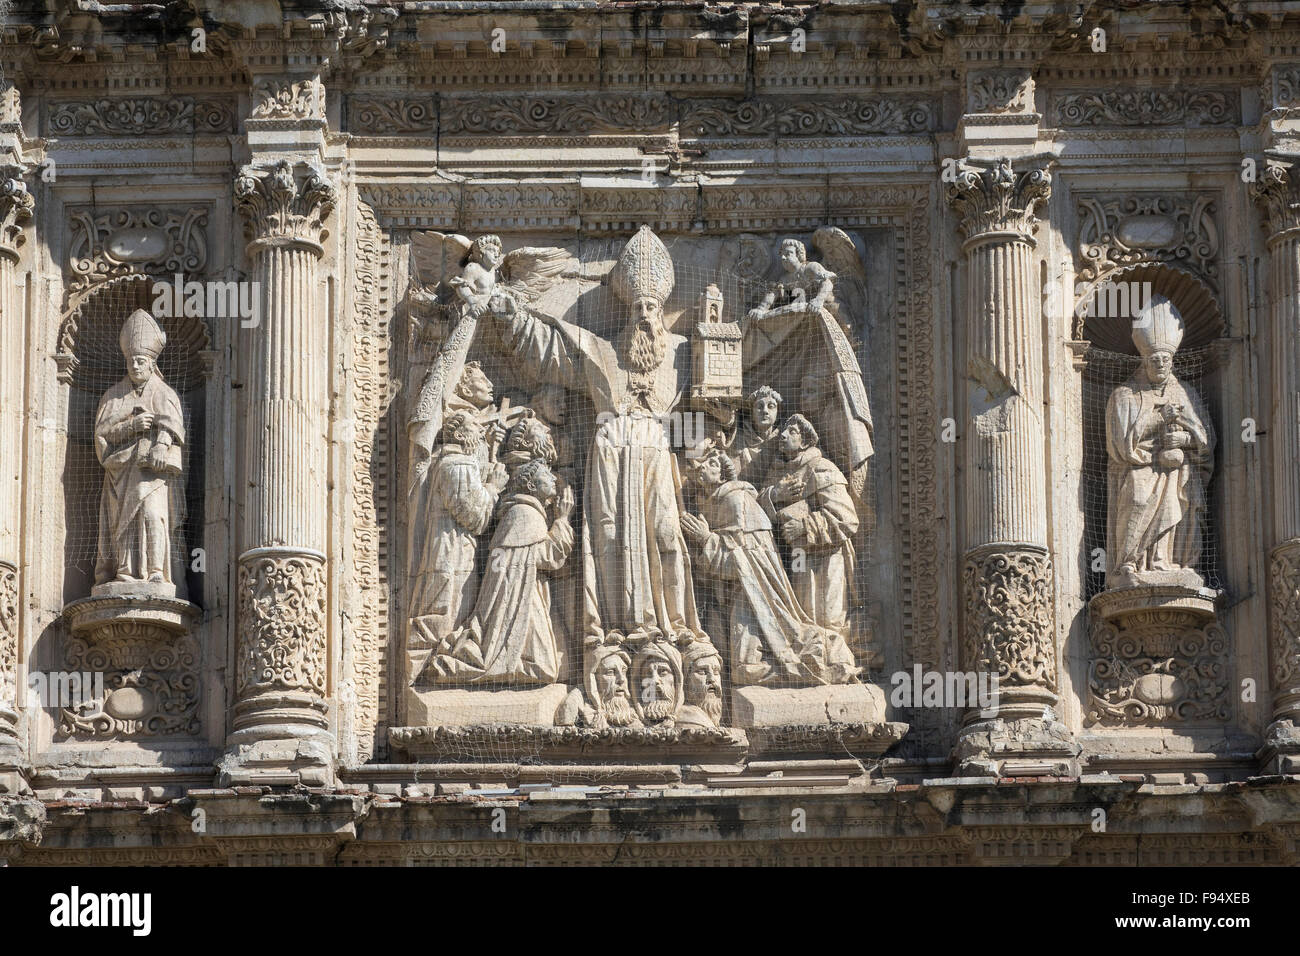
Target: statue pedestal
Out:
[824,704]
[143,647]
[459,707]
[1158,656]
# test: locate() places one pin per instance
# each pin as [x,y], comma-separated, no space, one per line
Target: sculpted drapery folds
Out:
[510,639]
[139,434]
[773,640]
[637,571]
[1161,447]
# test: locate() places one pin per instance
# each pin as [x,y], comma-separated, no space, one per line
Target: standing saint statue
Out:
[139,434]
[637,571]
[1161,446]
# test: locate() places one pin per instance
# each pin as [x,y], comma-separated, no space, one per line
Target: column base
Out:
[1028,747]
[283,756]
[1281,751]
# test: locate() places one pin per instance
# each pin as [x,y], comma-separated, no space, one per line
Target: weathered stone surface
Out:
[813,706]
[467,708]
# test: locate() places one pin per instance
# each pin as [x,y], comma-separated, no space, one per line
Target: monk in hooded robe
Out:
[509,639]
[139,434]
[1161,447]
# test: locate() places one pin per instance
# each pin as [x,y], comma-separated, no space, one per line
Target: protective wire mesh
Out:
[801,375]
[1106,371]
[94,328]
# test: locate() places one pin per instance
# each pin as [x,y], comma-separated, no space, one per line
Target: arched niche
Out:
[90,361]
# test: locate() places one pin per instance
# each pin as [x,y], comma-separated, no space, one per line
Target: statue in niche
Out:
[637,572]
[454,506]
[773,639]
[807,498]
[510,639]
[1161,446]
[139,435]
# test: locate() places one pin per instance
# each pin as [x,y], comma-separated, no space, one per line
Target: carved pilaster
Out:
[1278,193]
[1010,627]
[15,215]
[280,728]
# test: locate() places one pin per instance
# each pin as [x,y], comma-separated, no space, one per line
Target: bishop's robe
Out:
[139,507]
[1155,514]
[637,573]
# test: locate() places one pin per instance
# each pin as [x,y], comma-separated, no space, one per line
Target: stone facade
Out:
[834,433]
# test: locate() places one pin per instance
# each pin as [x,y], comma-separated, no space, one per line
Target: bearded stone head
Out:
[657,684]
[608,687]
[461,428]
[703,666]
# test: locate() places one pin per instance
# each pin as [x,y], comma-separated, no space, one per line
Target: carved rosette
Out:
[282,611]
[1009,615]
[995,201]
[15,210]
[284,207]
[1284,625]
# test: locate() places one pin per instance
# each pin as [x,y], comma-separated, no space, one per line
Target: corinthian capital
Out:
[992,198]
[1278,192]
[282,205]
[15,209]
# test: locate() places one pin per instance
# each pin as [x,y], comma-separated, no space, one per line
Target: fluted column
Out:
[15,214]
[1008,621]
[1278,192]
[280,729]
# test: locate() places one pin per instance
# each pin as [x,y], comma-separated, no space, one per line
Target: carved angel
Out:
[480,274]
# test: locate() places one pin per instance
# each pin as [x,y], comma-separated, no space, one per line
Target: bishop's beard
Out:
[647,344]
[618,711]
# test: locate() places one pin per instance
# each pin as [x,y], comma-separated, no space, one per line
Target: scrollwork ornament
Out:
[278,205]
[282,607]
[278,99]
[1284,614]
[1117,231]
[175,240]
[151,688]
[1009,616]
[994,198]
[8,633]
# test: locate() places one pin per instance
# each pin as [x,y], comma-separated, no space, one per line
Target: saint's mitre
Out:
[644,270]
[141,336]
[1158,327]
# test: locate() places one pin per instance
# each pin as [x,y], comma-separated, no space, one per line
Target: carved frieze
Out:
[141,116]
[386,116]
[1000,91]
[1122,230]
[1131,107]
[550,115]
[285,99]
[280,204]
[110,242]
[1010,626]
[282,601]
[807,116]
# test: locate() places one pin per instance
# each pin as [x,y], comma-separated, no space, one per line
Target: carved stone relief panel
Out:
[1122,230]
[105,243]
[1136,107]
[141,116]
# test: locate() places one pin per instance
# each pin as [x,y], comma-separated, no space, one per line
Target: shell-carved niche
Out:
[138,634]
[1159,655]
